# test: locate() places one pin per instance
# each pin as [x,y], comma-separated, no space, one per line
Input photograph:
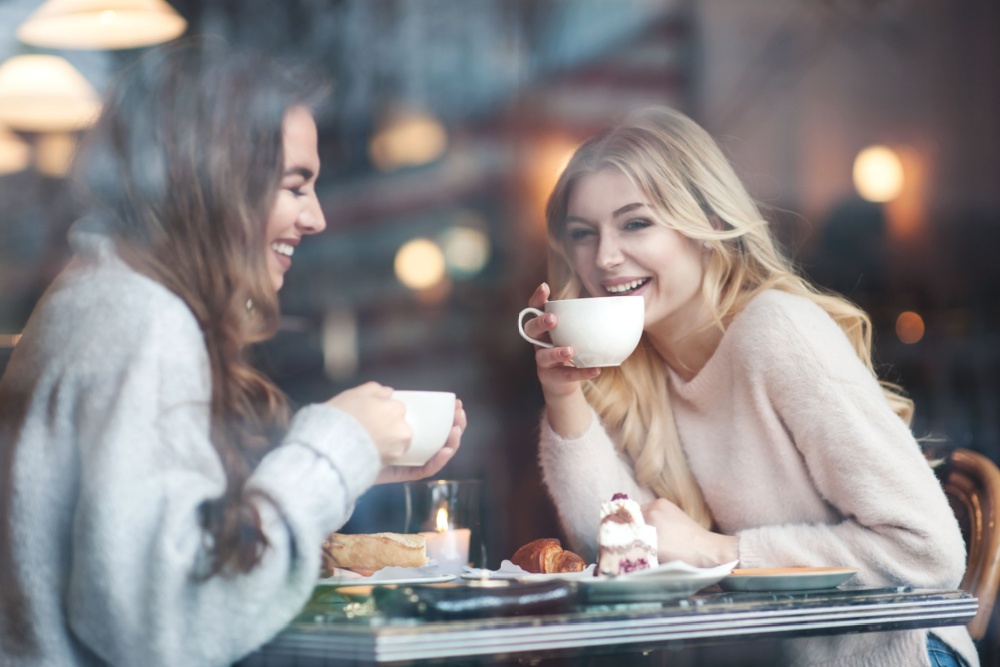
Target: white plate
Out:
[666,582]
[787,578]
[371,581]
[521,575]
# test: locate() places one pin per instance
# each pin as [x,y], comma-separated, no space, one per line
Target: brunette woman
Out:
[159,504]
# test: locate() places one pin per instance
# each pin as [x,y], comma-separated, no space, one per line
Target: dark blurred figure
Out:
[852,253]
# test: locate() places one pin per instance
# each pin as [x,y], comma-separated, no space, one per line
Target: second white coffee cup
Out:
[430,414]
[603,331]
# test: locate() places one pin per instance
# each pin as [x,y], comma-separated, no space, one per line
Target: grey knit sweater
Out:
[100,491]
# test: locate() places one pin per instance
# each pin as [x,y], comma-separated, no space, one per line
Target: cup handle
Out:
[520,326]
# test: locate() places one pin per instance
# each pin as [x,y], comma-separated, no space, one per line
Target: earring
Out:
[707,245]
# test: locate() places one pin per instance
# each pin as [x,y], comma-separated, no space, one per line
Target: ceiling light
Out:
[101,24]
[41,93]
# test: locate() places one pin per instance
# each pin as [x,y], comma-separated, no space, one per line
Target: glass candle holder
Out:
[446,513]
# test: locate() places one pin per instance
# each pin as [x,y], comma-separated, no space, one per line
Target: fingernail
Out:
[549,319]
[568,352]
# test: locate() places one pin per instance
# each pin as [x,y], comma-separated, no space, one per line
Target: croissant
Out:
[546,556]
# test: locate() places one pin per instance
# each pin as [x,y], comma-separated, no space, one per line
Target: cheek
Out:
[282,215]
[581,258]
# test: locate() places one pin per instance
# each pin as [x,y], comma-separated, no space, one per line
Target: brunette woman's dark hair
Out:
[184,164]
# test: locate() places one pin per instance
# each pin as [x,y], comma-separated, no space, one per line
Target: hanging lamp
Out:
[44,93]
[101,24]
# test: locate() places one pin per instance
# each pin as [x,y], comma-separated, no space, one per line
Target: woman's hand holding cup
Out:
[382,416]
[382,411]
[556,373]
[397,473]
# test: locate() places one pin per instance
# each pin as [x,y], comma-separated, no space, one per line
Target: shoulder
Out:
[782,315]
[777,325]
[104,312]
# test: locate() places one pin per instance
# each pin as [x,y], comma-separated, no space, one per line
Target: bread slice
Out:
[367,553]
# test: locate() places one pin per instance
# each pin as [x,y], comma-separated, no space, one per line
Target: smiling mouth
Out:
[283,249]
[626,288]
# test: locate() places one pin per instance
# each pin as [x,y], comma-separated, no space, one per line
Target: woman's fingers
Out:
[536,327]
[539,296]
[554,366]
[552,357]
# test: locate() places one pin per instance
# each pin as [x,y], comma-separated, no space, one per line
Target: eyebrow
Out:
[618,212]
[304,172]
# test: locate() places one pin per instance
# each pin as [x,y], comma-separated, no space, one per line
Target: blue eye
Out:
[578,233]
[636,224]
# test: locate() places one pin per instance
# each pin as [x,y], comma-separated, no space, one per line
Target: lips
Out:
[283,251]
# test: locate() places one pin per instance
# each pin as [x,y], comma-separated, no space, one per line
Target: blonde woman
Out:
[749,422]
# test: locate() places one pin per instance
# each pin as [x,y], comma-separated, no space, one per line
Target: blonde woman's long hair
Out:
[694,190]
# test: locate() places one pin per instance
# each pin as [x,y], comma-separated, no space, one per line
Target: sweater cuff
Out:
[749,558]
[342,441]
[549,436]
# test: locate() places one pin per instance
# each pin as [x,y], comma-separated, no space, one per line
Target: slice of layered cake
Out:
[625,542]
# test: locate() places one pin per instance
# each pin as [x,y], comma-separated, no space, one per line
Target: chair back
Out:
[972,483]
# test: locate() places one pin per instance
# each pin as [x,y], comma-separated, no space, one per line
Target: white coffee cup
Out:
[603,331]
[430,414]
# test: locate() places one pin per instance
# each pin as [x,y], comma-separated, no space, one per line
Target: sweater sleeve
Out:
[895,523]
[581,473]
[137,592]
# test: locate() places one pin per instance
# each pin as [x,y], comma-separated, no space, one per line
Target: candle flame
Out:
[441,520]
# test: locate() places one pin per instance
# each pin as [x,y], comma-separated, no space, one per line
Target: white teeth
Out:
[626,287]
[283,248]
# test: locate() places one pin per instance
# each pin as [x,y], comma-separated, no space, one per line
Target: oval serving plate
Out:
[667,582]
[372,581]
[786,578]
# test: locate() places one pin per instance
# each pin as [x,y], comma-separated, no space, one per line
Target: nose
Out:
[311,219]
[609,253]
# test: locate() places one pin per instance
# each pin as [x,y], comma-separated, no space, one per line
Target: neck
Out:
[686,343]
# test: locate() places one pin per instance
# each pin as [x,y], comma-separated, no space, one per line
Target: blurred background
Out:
[868,130]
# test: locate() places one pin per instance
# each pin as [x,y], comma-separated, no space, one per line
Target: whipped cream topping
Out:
[624,503]
[613,535]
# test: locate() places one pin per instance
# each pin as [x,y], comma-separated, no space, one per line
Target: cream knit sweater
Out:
[799,456]
[99,496]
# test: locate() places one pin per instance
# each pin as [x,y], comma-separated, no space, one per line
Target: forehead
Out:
[299,138]
[602,192]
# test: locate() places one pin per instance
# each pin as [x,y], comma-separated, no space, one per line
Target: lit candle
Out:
[448,546]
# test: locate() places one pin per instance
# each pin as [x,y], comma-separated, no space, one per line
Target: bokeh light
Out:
[878,174]
[419,264]
[909,327]
[466,250]
[407,139]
